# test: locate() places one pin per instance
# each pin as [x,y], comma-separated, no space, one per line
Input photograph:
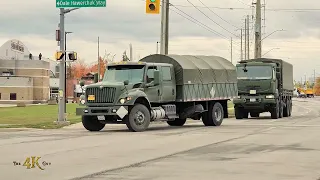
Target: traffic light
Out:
[59,55]
[152,6]
[72,56]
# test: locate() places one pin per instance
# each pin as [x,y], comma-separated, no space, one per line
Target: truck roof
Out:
[270,60]
[200,69]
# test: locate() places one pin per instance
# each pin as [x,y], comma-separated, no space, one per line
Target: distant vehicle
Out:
[264,85]
[171,88]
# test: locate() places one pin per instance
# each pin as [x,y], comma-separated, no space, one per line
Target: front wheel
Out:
[177,122]
[91,123]
[138,119]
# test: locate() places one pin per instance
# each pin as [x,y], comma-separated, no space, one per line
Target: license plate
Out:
[91,98]
[252,100]
[253,92]
[101,118]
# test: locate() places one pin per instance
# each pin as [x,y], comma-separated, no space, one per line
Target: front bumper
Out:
[254,101]
[120,111]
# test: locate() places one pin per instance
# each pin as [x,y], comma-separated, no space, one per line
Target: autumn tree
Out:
[317,87]
[79,69]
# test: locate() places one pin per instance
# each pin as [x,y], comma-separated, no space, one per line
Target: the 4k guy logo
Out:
[32,162]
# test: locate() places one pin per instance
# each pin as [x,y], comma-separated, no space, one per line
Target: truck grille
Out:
[104,95]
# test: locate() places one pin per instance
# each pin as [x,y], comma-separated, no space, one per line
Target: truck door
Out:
[152,92]
[168,92]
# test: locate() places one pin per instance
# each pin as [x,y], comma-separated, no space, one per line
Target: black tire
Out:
[91,123]
[254,114]
[280,109]
[140,113]
[238,112]
[286,109]
[290,107]
[177,122]
[214,115]
[245,114]
[275,111]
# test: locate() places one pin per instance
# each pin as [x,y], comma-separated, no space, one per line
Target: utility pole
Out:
[245,38]
[164,27]
[231,49]
[241,53]
[99,59]
[314,77]
[257,49]
[131,58]
[248,36]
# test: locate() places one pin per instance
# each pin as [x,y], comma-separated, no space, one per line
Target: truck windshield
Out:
[120,73]
[254,72]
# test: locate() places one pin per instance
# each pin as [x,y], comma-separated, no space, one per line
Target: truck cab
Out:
[125,84]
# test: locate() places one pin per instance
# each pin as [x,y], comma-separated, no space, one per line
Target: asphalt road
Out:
[263,148]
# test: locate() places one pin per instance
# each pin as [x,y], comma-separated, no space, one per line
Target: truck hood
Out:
[261,86]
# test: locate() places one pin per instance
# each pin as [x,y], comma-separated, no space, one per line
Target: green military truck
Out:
[169,88]
[264,85]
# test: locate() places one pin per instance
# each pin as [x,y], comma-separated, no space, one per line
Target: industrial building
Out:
[25,77]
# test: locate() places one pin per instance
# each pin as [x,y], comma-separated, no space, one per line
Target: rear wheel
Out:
[214,115]
[177,122]
[91,123]
[286,109]
[290,107]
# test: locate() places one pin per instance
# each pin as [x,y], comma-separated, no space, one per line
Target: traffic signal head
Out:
[59,55]
[152,6]
[72,56]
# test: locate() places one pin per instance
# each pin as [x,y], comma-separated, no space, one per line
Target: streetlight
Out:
[269,51]
[65,69]
[272,33]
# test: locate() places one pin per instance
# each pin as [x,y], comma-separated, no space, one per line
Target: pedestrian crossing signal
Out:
[59,55]
[72,56]
[152,6]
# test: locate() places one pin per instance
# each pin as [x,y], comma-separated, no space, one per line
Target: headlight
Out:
[83,101]
[270,96]
[122,101]
[239,97]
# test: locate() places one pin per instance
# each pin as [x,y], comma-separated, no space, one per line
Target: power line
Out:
[218,15]
[212,19]
[248,9]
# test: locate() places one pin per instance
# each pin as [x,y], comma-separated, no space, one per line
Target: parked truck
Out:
[264,85]
[169,88]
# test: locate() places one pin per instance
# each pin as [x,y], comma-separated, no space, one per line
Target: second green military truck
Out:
[264,85]
[171,88]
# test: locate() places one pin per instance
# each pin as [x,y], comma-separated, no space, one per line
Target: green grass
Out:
[230,108]
[43,116]
[37,116]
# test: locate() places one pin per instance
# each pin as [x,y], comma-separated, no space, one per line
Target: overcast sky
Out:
[124,21]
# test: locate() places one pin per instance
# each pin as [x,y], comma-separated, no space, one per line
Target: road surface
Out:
[259,149]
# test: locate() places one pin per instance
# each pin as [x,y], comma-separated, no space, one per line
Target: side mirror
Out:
[156,77]
[81,83]
[95,78]
[126,82]
[278,75]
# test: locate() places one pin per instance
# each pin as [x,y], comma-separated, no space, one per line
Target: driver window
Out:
[150,73]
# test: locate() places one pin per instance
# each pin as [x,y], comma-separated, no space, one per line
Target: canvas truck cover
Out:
[286,68]
[200,77]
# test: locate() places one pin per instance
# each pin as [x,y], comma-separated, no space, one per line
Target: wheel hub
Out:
[139,118]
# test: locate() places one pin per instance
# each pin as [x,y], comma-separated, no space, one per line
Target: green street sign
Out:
[80,3]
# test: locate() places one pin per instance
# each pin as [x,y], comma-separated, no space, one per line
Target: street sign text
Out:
[80,3]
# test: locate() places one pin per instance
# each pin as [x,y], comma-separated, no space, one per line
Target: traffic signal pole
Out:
[62,74]
[62,77]
[164,38]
